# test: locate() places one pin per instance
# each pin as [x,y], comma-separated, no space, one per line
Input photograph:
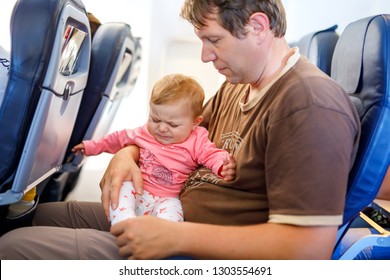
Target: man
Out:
[293,131]
[294,134]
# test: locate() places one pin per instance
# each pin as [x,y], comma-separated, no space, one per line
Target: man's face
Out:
[236,59]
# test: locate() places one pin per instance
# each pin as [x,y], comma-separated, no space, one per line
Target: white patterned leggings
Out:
[131,205]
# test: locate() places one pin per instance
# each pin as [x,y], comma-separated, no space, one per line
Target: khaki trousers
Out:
[62,231]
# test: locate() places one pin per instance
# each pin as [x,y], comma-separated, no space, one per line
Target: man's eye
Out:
[213,40]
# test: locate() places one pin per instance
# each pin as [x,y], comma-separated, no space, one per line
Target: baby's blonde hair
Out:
[174,87]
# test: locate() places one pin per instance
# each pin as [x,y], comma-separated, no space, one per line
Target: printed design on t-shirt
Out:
[5,62]
[231,141]
[201,175]
[156,172]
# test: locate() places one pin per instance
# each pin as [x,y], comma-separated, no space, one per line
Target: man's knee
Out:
[12,245]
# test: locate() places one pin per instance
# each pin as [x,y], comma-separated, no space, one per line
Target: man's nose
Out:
[207,54]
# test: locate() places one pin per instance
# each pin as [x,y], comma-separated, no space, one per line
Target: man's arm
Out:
[122,167]
[148,237]
[263,241]
[384,191]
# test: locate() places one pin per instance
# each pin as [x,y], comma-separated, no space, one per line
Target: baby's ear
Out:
[198,120]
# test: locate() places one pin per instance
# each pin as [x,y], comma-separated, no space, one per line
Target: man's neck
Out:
[278,57]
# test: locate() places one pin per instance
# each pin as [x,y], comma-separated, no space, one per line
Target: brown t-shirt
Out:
[294,148]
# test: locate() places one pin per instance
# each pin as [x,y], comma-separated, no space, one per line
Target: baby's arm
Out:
[78,148]
[228,169]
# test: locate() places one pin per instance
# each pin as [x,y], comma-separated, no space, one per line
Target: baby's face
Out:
[171,123]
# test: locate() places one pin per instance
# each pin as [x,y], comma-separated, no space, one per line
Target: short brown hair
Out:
[173,87]
[233,15]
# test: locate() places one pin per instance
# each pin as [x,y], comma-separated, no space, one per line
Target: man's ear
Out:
[259,22]
[197,121]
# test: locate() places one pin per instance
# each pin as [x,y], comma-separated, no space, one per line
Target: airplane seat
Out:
[318,47]
[361,65]
[112,61]
[135,65]
[50,55]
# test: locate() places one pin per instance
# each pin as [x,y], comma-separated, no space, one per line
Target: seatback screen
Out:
[73,40]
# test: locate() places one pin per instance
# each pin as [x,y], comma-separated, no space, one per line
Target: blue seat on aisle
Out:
[361,64]
[50,57]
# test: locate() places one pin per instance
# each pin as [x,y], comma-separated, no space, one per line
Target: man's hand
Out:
[122,167]
[146,237]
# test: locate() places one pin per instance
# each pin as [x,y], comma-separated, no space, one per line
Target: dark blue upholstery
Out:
[361,64]
[318,47]
[40,104]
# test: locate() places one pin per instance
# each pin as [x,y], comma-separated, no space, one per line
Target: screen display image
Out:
[73,40]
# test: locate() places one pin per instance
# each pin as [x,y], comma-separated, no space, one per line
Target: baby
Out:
[172,145]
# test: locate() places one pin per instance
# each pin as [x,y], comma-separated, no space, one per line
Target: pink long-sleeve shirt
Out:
[164,167]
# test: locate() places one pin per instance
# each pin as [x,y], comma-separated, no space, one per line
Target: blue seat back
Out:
[114,56]
[318,47]
[50,54]
[361,64]
[113,50]
[135,65]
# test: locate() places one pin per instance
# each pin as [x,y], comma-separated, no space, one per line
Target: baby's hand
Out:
[229,168]
[78,148]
